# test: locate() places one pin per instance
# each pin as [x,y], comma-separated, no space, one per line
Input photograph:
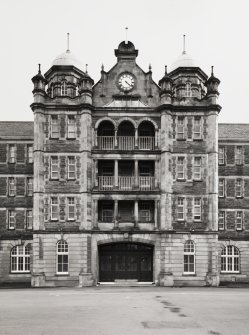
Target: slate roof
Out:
[16,129]
[231,131]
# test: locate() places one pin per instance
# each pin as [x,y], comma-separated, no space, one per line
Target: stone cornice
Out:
[174,108]
[61,107]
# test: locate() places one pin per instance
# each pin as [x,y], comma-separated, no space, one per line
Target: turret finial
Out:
[39,68]
[126,35]
[166,70]
[102,67]
[68,35]
[86,68]
[212,70]
[150,67]
[184,44]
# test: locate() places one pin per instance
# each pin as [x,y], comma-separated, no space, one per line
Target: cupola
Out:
[126,51]
[64,75]
[188,78]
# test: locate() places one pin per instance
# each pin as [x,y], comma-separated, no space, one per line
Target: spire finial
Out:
[39,68]
[184,44]
[150,67]
[126,35]
[166,70]
[68,35]
[86,68]
[102,67]
[212,70]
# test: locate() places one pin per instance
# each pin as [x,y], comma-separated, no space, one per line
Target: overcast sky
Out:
[35,31]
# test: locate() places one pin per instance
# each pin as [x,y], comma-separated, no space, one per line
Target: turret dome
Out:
[184,60]
[67,59]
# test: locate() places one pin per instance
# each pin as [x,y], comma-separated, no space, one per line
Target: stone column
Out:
[96,173]
[95,214]
[136,174]
[116,138]
[95,137]
[136,213]
[212,171]
[155,214]
[166,174]
[156,139]
[136,138]
[116,174]
[115,214]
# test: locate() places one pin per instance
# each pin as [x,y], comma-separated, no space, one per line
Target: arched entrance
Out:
[126,261]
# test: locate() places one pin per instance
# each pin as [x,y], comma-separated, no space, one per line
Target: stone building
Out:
[118,180]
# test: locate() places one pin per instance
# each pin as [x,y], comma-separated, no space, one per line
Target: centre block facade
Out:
[123,180]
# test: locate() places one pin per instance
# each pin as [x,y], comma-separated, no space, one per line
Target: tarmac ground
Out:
[124,311]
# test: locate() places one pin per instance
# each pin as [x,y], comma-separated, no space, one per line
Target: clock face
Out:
[126,82]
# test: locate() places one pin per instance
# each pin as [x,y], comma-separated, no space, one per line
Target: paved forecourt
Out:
[133,311]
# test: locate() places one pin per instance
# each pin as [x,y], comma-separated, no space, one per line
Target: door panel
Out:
[126,261]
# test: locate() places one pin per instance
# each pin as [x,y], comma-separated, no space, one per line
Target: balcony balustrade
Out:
[146,143]
[146,183]
[106,183]
[126,143]
[106,142]
[126,183]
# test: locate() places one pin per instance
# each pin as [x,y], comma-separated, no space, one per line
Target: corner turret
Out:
[166,84]
[212,85]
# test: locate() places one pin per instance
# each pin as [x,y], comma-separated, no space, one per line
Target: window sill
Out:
[19,272]
[189,274]
[64,274]
[197,180]
[198,139]
[230,273]
[181,139]
[70,138]
[180,179]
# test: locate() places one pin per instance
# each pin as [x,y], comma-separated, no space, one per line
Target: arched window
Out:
[20,259]
[188,90]
[230,259]
[62,257]
[189,257]
[63,88]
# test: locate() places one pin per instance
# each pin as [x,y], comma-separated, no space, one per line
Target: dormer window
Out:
[64,89]
[188,90]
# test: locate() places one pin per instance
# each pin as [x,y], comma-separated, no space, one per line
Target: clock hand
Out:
[127,83]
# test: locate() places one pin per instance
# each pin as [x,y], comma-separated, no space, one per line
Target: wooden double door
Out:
[126,261]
